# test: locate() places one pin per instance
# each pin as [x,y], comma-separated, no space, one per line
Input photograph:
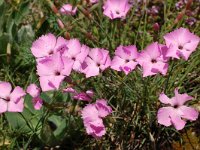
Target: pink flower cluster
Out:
[93,114]
[57,57]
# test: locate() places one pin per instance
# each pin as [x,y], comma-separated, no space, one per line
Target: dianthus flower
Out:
[76,52]
[47,45]
[153,60]
[125,59]
[97,60]
[116,8]
[177,113]
[52,71]
[181,43]
[92,116]
[11,100]
[68,9]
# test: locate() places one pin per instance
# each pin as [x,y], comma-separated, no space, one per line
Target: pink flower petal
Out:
[3,105]
[176,120]
[44,46]
[37,103]
[181,98]
[5,88]
[70,90]
[164,99]
[49,83]
[16,107]
[17,94]
[82,96]
[163,116]
[68,9]
[103,108]
[189,113]
[33,90]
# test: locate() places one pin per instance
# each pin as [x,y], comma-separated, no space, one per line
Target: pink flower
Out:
[52,71]
[125,59]
[68,9]
[181,43]
[174,114]
[70,90]
[153,60]
[97,60]
[92,122]
[94,1]
[116,8]
[77,53]
[103,108]
[92,116]
[34,91]
[84,96]
[47,45]
[11,101]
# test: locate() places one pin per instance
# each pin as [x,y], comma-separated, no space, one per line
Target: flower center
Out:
[7,99]
[73,58]
[98,64]
[50,52]
[126,61]
[180,47]
[57,73]
[117,12]
[176,106]
[154,61]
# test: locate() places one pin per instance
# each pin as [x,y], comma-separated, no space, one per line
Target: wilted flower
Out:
[125,59]
[179,4]
[152,60]
[11,101]
[98,59]
[181,43]
[154,10]
[68,9]
[191,21]
[116,8]
[84,96]
[47,45]
[177,113]
[34,91]
[52,71]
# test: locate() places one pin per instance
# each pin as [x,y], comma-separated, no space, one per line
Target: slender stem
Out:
[170,73]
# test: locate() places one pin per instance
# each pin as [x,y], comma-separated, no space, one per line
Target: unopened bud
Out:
[156,26]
